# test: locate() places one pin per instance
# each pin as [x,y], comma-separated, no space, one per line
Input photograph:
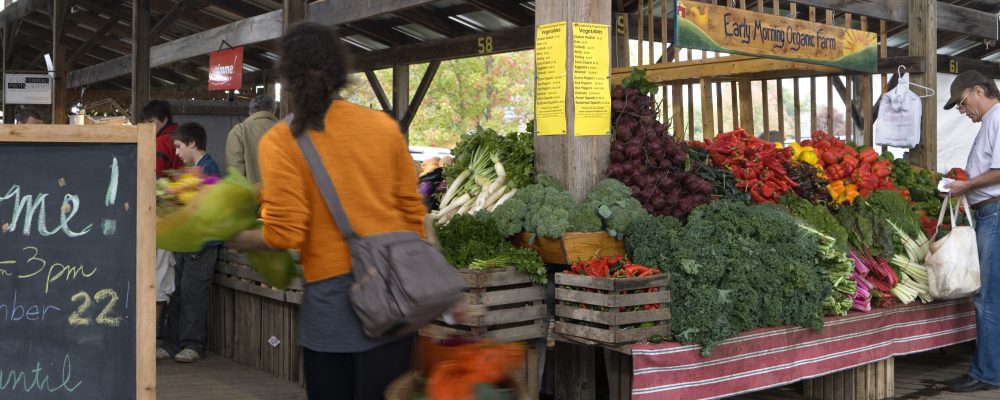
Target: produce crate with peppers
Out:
[612,301]
[504,305]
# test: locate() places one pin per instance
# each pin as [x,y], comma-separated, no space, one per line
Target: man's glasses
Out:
[961,104]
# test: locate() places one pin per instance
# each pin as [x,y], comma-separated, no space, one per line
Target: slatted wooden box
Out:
[505,306]
[610,316]
[572,246]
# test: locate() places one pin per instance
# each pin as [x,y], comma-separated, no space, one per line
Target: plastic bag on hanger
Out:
[898,123]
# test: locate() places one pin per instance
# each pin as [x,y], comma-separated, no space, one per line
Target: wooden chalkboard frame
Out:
[144,137]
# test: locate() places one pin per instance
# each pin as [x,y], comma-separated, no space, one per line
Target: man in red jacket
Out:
[157,112]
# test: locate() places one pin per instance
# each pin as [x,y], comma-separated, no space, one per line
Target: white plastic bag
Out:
[953,261]
[898,123]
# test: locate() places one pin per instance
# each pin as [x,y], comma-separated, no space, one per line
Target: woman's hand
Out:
[248,240]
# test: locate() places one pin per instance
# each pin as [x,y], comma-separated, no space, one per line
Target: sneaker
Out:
[161,354]
[187,356]
[967,384]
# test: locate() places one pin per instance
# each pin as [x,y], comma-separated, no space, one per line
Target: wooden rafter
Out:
[446,49]
[169,19]
[509,10]
[97,37]
[418,96]
[435,22]
[380,95]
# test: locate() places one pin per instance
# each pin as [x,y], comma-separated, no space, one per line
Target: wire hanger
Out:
[928,92]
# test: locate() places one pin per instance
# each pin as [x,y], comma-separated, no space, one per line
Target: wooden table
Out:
[851,359]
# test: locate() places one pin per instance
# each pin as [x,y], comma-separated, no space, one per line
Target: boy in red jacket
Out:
[158,113]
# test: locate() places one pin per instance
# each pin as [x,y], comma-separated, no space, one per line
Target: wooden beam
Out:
[508,10]
[923,42]
[435,22]
[169,19]
[141,57]
[951,17]
[725,68]
[260,28]
[401,94]
[707,116]
[389,37]
[59,109]
[380,95]
[22,8]
[446,49]
[98,36]
[418,96]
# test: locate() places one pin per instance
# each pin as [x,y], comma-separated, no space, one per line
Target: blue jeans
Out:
[986,363]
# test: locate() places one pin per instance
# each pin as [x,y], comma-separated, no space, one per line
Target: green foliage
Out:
[867,231]
[890,205]
[494,91]
[820,218]
[649,240]
[516,151]
[467,238]
[637,79]
[475,242]
[736,267]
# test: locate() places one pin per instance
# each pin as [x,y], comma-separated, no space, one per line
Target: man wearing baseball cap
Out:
[977,97]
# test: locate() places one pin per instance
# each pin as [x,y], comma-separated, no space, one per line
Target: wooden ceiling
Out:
[98,33]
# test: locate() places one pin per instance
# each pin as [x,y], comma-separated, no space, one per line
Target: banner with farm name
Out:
[732,30]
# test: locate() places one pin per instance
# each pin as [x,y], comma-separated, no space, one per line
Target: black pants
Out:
[187,313]
[356,376]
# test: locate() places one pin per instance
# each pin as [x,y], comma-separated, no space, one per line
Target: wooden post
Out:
[576,161]
[746,106]
[619,42]
[292,11]
[59,108]
[401,94]
[707,117]
[140,57]
[923,42]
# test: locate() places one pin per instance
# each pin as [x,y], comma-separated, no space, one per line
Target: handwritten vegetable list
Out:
[67,271]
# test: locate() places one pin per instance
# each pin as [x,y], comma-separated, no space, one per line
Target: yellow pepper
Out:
[838,191]
[809,156]
[852,192]
[798,149]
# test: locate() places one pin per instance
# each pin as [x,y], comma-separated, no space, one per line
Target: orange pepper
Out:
[852,192]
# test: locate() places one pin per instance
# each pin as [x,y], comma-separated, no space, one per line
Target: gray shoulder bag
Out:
[401,282]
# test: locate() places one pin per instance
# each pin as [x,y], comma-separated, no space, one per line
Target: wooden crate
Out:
[611,324]
[507,306]
[245,313]
[572,246]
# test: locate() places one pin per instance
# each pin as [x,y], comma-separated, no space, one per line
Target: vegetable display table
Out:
[850,359]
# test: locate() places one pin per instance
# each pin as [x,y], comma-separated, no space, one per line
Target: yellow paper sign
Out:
[550,78]
[731,30]
[591,86]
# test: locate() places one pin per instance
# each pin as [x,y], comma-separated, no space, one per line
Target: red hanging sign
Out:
[225,69]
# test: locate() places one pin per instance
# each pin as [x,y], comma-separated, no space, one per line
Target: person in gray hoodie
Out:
[241,145]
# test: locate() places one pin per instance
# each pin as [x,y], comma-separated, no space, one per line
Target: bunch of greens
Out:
[819,218]
[893,207]
[837,267]
[474,241]
[516,150]
[649,240]
[867,232]
[759,271]
[613,205]
[811,186]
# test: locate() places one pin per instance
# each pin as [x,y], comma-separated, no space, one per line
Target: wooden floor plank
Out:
[218,378]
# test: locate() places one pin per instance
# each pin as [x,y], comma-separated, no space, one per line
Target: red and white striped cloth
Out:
[765,358]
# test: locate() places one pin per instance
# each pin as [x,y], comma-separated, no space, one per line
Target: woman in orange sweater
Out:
[368,159]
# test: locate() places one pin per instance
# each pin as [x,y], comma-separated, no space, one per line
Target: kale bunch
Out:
[737,267]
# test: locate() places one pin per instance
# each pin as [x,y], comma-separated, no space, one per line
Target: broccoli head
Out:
[547,221]
[584,219]
[509,216]
[609,190]
[548,181]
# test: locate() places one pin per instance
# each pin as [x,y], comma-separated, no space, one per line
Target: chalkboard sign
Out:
[76,262]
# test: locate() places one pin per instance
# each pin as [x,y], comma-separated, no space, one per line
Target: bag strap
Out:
[964,203]
[945,206]
[325,184]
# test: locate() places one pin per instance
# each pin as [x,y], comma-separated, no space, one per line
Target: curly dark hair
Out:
[313,67]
